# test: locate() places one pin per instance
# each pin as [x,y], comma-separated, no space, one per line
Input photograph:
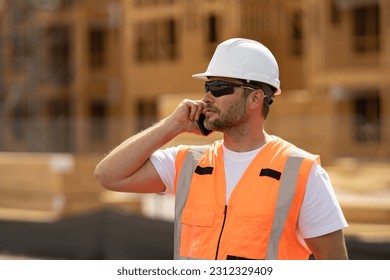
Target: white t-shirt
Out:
[320,212]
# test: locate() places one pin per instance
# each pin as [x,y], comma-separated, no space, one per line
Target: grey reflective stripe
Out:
[183,185]
[288,185]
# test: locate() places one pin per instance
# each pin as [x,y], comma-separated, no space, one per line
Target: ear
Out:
[256,99]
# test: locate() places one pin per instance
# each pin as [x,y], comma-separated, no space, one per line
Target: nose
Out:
[208,97]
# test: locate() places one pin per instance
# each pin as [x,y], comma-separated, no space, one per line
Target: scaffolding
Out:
[35,104]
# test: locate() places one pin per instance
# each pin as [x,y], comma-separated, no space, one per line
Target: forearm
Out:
[129,156]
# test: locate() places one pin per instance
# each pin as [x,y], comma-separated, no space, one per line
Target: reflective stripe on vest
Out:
[288,183]
[283,204]
[191,159]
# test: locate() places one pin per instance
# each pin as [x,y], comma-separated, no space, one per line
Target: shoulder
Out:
[321,212]
[192,153]
[178,153]
[199,149]
[167,152]
[295,151]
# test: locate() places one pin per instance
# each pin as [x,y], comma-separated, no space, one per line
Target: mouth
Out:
[210,110]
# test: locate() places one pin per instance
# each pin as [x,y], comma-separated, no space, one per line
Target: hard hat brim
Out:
[202,76]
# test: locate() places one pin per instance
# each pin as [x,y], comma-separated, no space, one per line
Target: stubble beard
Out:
[232,120]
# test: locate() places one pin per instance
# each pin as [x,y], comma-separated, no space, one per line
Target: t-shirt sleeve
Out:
[320,212]
[164,162]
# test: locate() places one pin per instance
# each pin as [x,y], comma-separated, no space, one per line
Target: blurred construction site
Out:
[79,77]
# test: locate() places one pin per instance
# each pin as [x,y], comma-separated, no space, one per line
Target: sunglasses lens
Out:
[218,88]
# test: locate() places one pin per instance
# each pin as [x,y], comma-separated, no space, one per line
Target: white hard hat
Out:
[243,59]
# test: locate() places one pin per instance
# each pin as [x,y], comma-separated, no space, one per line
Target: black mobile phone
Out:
[202,128]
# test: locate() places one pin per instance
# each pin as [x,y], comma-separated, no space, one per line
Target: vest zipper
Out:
[220,235]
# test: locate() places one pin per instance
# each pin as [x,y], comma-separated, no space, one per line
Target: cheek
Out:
[237,108]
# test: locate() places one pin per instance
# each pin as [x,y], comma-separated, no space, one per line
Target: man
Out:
[248,196]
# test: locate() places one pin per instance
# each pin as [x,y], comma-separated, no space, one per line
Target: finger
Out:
[193,106]
[199,111]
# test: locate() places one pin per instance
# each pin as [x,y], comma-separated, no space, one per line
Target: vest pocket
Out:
[196,226]
[251,235]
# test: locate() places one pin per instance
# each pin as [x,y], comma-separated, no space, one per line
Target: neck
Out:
[244,142]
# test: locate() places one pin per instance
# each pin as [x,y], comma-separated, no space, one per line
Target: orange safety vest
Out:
[260,220]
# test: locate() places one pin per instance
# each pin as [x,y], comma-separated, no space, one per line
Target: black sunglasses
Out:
[221,88]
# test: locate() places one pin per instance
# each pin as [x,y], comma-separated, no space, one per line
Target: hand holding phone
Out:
[202,128]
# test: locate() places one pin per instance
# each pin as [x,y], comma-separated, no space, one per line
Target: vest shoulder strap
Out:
[194,154]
